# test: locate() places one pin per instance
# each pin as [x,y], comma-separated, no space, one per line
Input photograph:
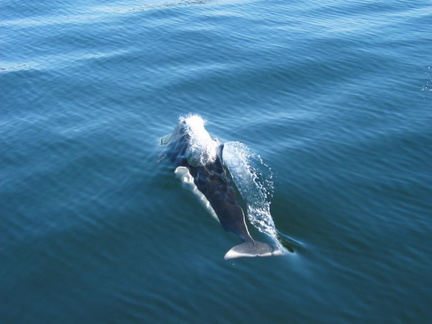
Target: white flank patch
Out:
[187,180]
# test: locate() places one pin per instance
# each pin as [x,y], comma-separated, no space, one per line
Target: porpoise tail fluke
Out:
[252,249]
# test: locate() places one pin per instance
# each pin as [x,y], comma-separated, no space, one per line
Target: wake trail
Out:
[253,179]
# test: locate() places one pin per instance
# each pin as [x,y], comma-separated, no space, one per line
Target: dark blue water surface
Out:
[334,96]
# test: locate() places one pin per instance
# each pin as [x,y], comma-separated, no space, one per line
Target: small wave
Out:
[167,4]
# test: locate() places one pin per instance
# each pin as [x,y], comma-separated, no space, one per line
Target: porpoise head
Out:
[190,141]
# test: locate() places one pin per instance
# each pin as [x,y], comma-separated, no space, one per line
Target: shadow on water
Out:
[289,243]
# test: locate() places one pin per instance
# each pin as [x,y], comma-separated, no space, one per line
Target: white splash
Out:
[253,179]
[202,147]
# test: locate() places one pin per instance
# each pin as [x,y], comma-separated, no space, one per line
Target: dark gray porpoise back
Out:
[214,184]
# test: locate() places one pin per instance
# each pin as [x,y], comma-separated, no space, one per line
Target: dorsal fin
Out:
[219,152]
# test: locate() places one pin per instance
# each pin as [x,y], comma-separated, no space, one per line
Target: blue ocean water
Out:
[333,97]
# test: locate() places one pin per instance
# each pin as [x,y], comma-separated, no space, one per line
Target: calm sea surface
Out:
[334,99]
